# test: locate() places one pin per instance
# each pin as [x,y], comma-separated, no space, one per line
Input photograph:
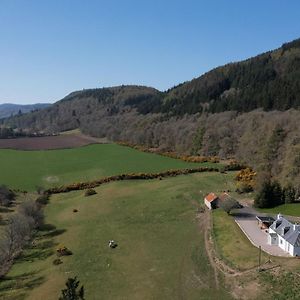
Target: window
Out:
[280,241]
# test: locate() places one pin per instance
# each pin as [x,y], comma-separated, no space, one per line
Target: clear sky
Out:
[49,48]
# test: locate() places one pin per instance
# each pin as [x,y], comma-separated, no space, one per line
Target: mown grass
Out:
[28,169]
[292,209]
[231,243]
[160,253]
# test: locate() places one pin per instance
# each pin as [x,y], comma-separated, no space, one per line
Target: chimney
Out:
[296,227]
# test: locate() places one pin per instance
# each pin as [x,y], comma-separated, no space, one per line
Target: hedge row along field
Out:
[171,154]
[133,176]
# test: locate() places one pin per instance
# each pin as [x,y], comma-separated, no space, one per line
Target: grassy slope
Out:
[160,254]
[28,169]
[232,245]
[292,209]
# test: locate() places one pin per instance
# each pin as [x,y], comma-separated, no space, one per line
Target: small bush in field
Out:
[43,199]
[90,192]
[63,251]
[243,187]
[57,261]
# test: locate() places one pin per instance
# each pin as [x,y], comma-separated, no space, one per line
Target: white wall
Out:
[207,203]
[271,230]
[282,243]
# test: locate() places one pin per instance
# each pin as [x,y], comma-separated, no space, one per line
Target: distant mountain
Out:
[9,109]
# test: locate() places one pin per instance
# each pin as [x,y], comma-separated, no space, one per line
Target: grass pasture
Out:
[231,243]
[160,253]
[28,169]
[291,209]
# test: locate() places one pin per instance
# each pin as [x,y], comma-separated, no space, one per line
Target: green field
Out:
[160,253]
[231,244]
[292,209]
[28,169]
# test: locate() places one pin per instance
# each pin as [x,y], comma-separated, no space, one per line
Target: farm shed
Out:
[211,201]
[264,222]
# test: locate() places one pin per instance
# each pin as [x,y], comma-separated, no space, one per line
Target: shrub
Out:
[6,196]
[63,251]
[90,192]
[243,187]
[43,199]
[246,179]
[229,204]
[57,261]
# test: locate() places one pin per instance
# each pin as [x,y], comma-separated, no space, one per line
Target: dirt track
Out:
[48,142]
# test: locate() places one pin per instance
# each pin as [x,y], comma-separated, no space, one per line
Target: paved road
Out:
[246,219]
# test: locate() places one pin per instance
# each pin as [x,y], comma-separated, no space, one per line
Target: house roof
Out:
[211,197]
[286,230]
[294,238]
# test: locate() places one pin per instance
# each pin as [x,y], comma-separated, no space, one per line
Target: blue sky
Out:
[51,48]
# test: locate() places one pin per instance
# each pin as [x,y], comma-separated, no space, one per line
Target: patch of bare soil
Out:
[206,225]
[49,142]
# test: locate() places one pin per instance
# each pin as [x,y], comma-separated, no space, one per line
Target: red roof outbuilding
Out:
[211,197]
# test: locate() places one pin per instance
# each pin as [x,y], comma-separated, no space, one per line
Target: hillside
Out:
[10,109]
[83,108]
[247,110]
[270,81]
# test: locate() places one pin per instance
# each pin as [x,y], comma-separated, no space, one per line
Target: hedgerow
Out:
[131,176]
[172,154]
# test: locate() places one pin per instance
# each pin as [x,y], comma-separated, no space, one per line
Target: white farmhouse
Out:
[285,235]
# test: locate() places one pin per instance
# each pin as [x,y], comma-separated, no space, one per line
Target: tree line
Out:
[18,229]
[271,194]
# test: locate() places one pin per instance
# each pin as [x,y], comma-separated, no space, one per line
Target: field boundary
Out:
[130,176]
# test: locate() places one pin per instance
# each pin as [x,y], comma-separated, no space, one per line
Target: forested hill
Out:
[247,110]
[82,109]
[270,81]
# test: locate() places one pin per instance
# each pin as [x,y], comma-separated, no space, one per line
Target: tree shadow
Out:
[42,247]
[242,215]
[49,231]
[39,251]
[25,281]
[54,233]
[5,209]
[47,227]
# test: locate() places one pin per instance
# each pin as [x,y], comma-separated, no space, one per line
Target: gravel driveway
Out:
[246,220]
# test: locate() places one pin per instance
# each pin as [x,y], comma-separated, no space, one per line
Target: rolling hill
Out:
[10,109]
[247,110]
